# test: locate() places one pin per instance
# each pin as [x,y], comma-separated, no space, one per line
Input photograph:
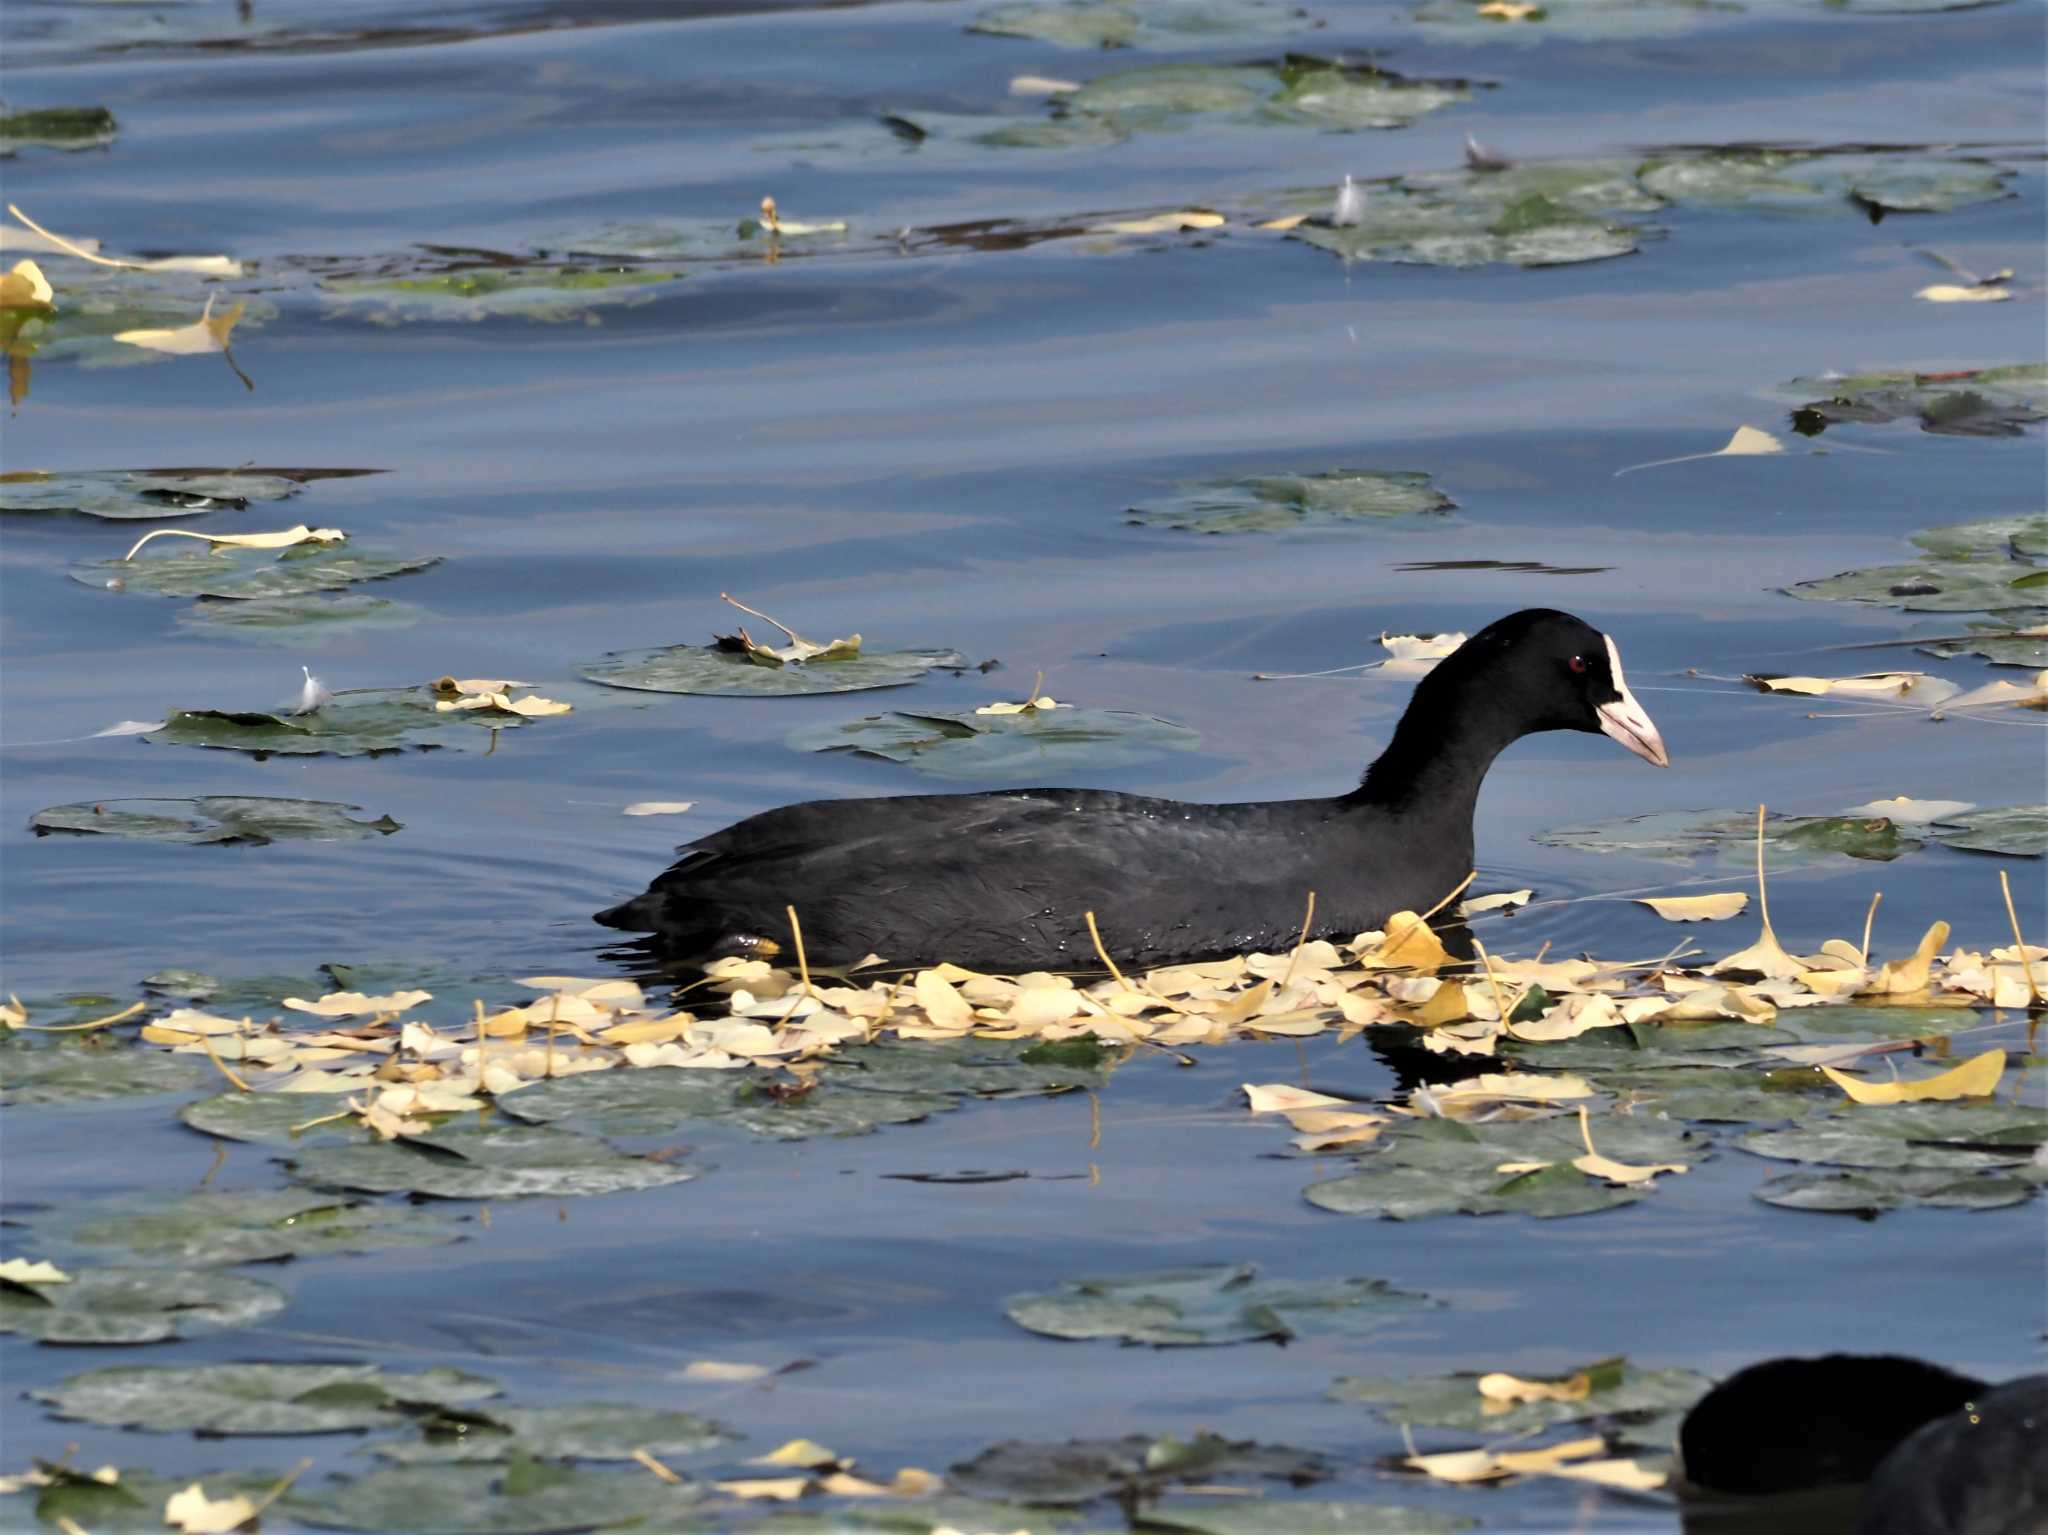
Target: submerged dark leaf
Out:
[250,819]
[720,672]
[1215,1305]
[987,747]
[1272,503]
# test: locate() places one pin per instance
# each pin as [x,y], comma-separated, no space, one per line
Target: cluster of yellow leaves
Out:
[818,1469]
[1915,690]
[796,652]
[493,693]
[1574,1459]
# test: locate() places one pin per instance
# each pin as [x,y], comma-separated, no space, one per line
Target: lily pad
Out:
[576,1431]
[135,1305]
[1081,1470]
[253,820]
[249,573]
[1270,503]
[215,1227]
[268,1119]
[297,621]
[128,495]
[1617,1388]
[548,294]
[1215,1305]
[1441,1167]
[256,1398]
[657,1101]
[985,747]
[1952,1137]
[935,1516]
[1878,1189]
[525,1498]
[96,305]
[986,1068]
[1975,402]
[1157,26]
[944,137]
[1724,1094]
[1731,836]
[68,128]
[1466,21]
[1260,1516]
[495,1162]
[1774,180]
[721,673]
[1990,538]
[89,1069]
[1999,643]
[1554,213]
[1303,92]
[2019,831]
[353,723]
[133,1505]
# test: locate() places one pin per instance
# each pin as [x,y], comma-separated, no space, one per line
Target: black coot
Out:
[1002,881]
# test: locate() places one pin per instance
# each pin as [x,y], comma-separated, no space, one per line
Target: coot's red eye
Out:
[1577,663]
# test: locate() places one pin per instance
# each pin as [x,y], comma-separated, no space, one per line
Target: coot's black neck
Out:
[1439,756]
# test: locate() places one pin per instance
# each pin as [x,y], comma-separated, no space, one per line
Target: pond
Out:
[1060,359]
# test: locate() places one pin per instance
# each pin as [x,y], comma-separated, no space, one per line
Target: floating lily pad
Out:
[134,1305]
[251,819]
[1876,1190]
[1262,1516]
[1731,835]
[2019,831]
[96,304]
[128,496]
[495,1162]
[1302,92]
[986,1068]
[931,136]
[934,1516]
[1999,643]
[1991,538]
[268,1119]
[1081,1470]
[981,747]
[1773,180]
[526,1498]
[1977,402]
[1442,1167]
[90,1068]
[657,1101]
[1270,503]
[133,1505]
[297,621]
[1723,1094]
[1617,1388]
[1214,1305]
[1466,21]
[730,674]
[1930,586]
[1951,1137]
[214,1227]
[576,1431]
[69,128]
[1547,214]
[249,573]
[256,1398]
[1157,26]
[354,723]
[548,294]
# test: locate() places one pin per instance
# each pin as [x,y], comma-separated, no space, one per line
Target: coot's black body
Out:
[1003,881]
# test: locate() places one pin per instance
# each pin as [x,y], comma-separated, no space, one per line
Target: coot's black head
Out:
[1540,669]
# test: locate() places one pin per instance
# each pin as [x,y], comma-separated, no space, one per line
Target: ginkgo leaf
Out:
[1594,1165]
[1766,957]
[2033,695]
[1630,1475]
[1911,812]
[1698,908]
[1162,223]
[1279,1098]
[1506,901]
[1955,293]
[1041,85]
[659,807]
[531,707]
[89,250]
[196,1514]
[806,1453]
[25,287]
[1501,1387]
[1870,684]
[782,1489]
[284,539]
[351,1004]
[1492,1465]
[208,333]
[1904,976]
[22,1271]
[1511,10]
[1415,655]
[1975,1078]
[1748,442]
[1407,943]
[797,651]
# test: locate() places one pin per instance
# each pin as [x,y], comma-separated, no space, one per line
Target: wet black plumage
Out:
[1002,881]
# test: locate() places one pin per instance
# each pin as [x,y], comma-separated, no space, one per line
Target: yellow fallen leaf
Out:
[1975,1078]
[1491,1465]
[352,1004]
[1705,1003]
[1698,908]
[807,1453]
[1279,1098]
[1748,442]
[1507,901]
[1576,1015]
[1869,684]
[12,1014]
[387,1125]
[196,1514]
[1407,943]
[1955,293]
[1042,85]
[2000,694]
[659,807]
[723,1371]
[1291,221]
[845,1485]
[944,1006]
[1627,1474]
[1905,811]
[911,1482]
[1162,223]
[25,288]
[1908,975]
[22,1271]
[1509,10]
[285,539]
[1520,1086]
[208,333]
[784,1489]
[798,649]
[1326,1128]
[1031,705]
[531,707]
[1508,1390]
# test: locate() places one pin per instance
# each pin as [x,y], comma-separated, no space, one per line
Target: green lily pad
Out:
[1216,1305]
[495,1162]
[1730,835]
[304,621]
[548,294]
[131,1305]
[2019,831]
[525,1498]
[1159,27]
[985,1068]
[1999,643]
[353,723]
[128,496]
[215,1227]
[134,1505]
[656,1101]
[1302,92]
[253,820]
[1980,402]
[1618,1389]
[1294,1516]
[267,1119]
[943,137]
[924,1517]
[1462,20]
[1081,1470]
[255,1398]
[1952,1137]
[1719,1094]
[982,747]
[1270,503]
[96,305]
[708,669]
[68,128]
[249,573]
[1838,1021]
[576,1431]
[1442,1167]
[1772,180]
[89,1069]
[1972,566]
[1876,1190]
[1990,538]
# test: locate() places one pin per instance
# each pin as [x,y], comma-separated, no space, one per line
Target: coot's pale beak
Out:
[1625,719]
